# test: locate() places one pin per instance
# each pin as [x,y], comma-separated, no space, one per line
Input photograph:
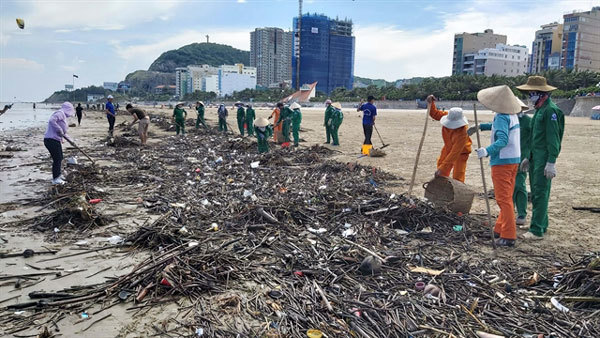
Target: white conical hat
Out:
[295,105]
[500,99]
[336,105]
[261,122]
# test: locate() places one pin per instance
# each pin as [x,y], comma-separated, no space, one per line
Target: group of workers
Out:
[519,144]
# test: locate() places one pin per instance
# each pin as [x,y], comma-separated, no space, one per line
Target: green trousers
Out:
[222,124]
[520,194]
[241,126]
[334,134]
[250,127]
[180,126]
[285,129]
[296,133]
[328,133]
[540,194]
[200,121]
[263,145]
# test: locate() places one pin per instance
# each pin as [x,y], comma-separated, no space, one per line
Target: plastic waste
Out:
[191,244]
[214,227]
[219,160]
[348,232]
[72,160]
[419,286]
[254,165]
[558,305]
[317,231]
[85,315]
[199,331]
[457,227]
[314,333]
[95,200]
[116,239]
[247,193]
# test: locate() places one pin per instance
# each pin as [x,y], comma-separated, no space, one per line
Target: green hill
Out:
[213,54]
[144,80]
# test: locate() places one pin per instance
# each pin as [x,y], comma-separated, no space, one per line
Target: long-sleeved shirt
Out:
[547,129]
[222,112]
[250,114]
[506,139]
[179,113]
[328,115]
[456,141]
[241,113]
[57,126]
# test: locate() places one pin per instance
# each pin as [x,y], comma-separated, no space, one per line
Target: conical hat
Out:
[336,105]
[500,99]
[261,122]
[295,105]
[523,105]
[536,83]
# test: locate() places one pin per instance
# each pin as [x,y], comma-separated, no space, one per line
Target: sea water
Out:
[23,115]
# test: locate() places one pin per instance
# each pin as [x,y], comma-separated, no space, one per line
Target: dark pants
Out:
[79,118]
[368,130]
[111,123]
[55,149]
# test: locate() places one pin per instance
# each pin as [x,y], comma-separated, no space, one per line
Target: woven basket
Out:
[449,193]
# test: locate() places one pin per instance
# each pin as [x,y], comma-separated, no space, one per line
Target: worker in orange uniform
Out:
[457,144]
[275,115]
[505,156]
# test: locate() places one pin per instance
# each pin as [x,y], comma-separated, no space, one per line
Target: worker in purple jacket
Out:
[54,137]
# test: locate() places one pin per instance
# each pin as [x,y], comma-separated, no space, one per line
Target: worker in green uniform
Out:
[296,120]
[179,116]
[200,117]
[547,128]
[222,113]
[250,116]
[336,121]
[285,118]
[263,131]
[327,122]
[241,117]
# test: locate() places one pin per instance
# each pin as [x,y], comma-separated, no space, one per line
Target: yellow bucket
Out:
[366,148]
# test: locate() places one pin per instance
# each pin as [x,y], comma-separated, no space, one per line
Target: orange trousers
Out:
[503,177]
[459,168]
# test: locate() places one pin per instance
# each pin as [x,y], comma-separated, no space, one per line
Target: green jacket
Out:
[200,110]
[179,113]
[250,114]
[525,126]
[547,129]
[328,114]
[241,113]
[337,117]
[296,117]
[285,115]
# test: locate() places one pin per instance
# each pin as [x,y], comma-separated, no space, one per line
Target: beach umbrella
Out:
[596,108]
[21,23]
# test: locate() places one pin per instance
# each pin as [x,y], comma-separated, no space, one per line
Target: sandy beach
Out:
[26,176]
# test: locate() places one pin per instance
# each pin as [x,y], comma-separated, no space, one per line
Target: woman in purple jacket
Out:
[57,130]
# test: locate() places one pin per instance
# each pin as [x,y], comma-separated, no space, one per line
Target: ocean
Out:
[22,116]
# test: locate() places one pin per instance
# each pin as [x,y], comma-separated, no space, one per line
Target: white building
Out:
[211,83]
[196,74]
[503,60]
[235,78]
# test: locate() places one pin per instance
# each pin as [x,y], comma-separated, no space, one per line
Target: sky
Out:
[104,40]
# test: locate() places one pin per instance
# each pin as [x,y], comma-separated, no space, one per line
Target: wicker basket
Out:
[449,193]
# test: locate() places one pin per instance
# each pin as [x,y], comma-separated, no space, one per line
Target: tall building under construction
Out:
[467,44]
[271,54]
[326,51]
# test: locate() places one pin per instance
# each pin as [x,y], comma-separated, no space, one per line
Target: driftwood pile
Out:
[276,244]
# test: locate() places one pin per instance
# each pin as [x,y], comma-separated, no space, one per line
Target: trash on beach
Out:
[116,239]
[255,164]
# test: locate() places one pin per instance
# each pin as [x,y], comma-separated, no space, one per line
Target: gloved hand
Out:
[482,152]
[524,166]
[550,170]
[471,130]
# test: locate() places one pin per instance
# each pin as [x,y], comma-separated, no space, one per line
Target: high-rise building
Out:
[271,54]
[326,52]
[501,60]
[181,81]
[581,40]
[545,51]
[197,73]
[471,43]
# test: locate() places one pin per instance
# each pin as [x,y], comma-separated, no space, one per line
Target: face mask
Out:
[534,97]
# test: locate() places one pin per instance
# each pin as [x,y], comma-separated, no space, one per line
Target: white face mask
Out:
[534,98]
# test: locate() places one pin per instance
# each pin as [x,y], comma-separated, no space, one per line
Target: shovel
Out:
[380,139]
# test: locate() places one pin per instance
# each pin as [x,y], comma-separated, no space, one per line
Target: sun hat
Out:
[455,119]
[295,105]
[536,83]
[261,122]
[110,97]
[328,101]
[500,99]
[336,105]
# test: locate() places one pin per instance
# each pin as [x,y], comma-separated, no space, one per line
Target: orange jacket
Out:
[275,114]
[456,141]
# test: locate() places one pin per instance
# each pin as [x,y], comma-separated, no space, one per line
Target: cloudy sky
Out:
[105,40]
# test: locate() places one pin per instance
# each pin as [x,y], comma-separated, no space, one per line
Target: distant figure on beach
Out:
[79,112]
[369,114]
[5,109]
[296,120]
[327,120]
[285,121]
[139,116]
[179,116]
[200,114]
[457,143]
[250,116]
[275,116]
[53,139]
[34,105]
[263,130]
[111,115]
[241,117]
[222,112]
[336,121]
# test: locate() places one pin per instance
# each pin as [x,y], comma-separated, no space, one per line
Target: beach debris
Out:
[370,266]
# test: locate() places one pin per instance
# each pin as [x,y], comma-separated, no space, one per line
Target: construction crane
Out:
[299,32]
